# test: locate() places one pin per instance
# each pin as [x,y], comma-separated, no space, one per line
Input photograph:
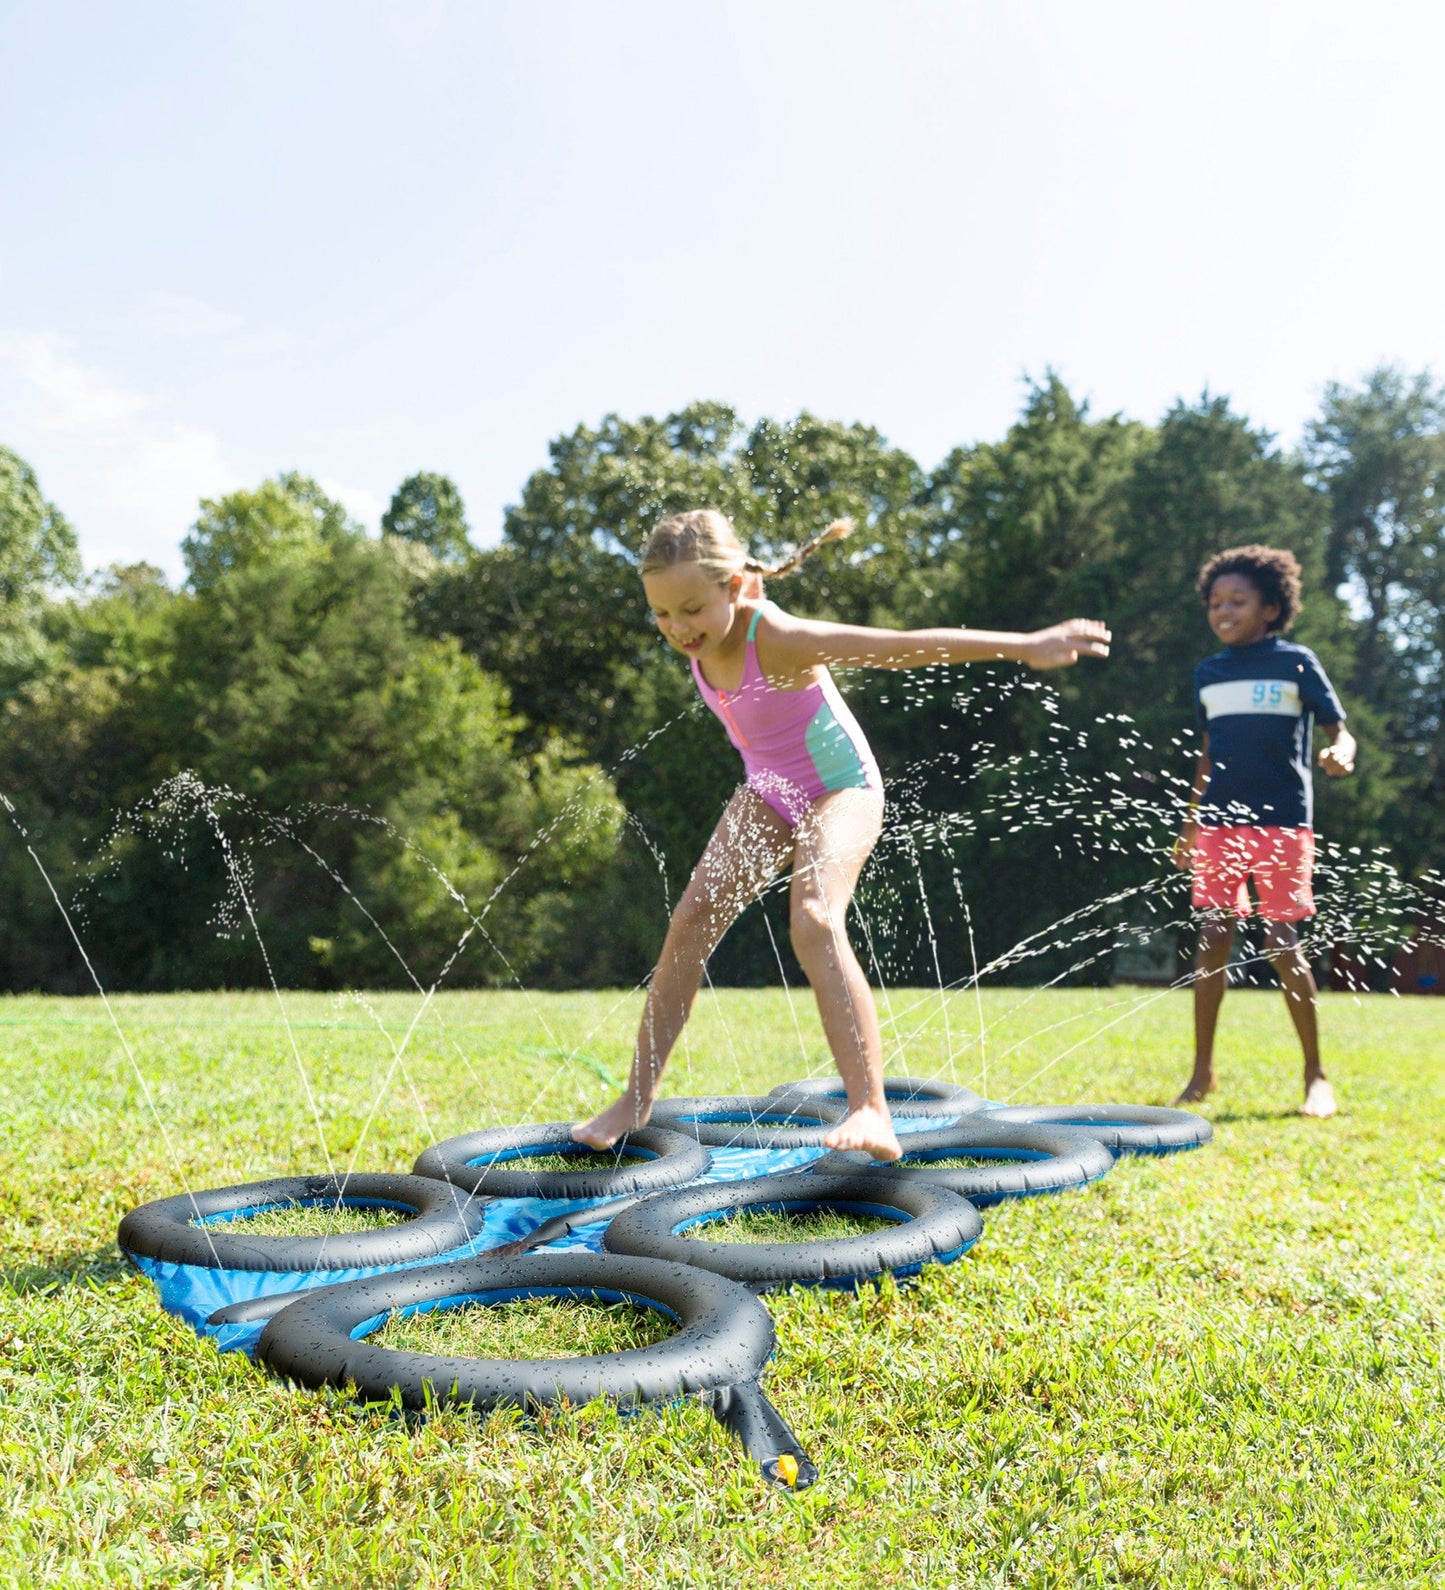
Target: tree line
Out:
[342,759]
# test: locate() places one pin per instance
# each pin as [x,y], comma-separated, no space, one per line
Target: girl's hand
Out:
[1061,645]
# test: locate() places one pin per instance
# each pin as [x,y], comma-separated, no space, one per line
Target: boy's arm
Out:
[797,645]
[1338,757]
[1183,852]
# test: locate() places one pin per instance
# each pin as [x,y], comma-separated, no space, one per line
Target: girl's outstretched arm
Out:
[793,646]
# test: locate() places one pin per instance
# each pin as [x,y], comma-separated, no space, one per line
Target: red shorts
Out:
[1281,859]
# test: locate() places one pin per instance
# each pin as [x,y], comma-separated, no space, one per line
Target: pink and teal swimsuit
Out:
[796,745]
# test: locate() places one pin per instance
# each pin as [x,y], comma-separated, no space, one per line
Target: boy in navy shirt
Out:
[1251,813]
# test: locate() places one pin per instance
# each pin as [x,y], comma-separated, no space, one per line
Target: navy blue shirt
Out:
[1259,704]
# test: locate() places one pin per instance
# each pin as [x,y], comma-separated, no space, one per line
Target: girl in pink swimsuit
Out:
[796,745]
[813,795]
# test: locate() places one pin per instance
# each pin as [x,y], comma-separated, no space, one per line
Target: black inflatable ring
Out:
[1032,1160]
[907,1096]
[672,1158]
[724,1122]
[725,1337]
[1125,1128]
[931,1224]
[196,1228]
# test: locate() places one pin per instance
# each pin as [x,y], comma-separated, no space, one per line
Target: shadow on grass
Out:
[96,1264]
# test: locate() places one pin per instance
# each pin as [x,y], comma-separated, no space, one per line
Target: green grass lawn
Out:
[1218,1368]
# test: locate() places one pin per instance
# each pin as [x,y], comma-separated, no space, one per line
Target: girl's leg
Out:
[833,843]
[748,846]
[1281,945]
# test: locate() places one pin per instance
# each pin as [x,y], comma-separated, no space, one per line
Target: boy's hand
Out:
[1061,645]
[1338,757]
[1183,853]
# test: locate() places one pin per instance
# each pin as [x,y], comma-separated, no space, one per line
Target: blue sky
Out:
[361,239]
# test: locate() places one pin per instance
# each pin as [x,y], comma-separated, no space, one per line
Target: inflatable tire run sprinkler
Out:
[495,1162]
[254,1309]
[1124,1128]
[728,1122]
[724,1340]
[1031,1160]
[931,1223]
[199,1228]
[907,1096]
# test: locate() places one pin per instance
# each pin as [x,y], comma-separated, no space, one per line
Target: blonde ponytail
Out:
[834,532]
[706,537]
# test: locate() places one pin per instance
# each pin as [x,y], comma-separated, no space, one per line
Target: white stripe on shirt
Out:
[1274,697]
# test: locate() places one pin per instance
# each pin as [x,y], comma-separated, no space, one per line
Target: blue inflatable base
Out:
[194,1292]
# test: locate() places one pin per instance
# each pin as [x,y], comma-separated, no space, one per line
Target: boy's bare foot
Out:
[869,1130]
[1319,1100]
[603,1130]
[1196,1090]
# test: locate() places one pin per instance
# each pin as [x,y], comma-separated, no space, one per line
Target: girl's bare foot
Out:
[603,1130]
[1196,1089]
[868,1129]
[1319,1100]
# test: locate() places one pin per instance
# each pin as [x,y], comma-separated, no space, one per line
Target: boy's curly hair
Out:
[1273,571]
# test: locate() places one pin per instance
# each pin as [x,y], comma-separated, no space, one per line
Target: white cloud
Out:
[75,400]
[361,503]
[126,474]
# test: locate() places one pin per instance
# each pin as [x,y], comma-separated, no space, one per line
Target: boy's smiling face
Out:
[1238,613]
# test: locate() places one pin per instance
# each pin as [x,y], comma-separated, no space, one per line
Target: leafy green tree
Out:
[281,517]
[37,544]
[1378,450]
[1205,479]
[1031,522]
[284,728]
[68,752]
[38,552]
[1018,533]
[427,509]
[1021,533]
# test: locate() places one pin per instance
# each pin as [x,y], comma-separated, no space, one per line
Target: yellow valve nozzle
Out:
[788,1469]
